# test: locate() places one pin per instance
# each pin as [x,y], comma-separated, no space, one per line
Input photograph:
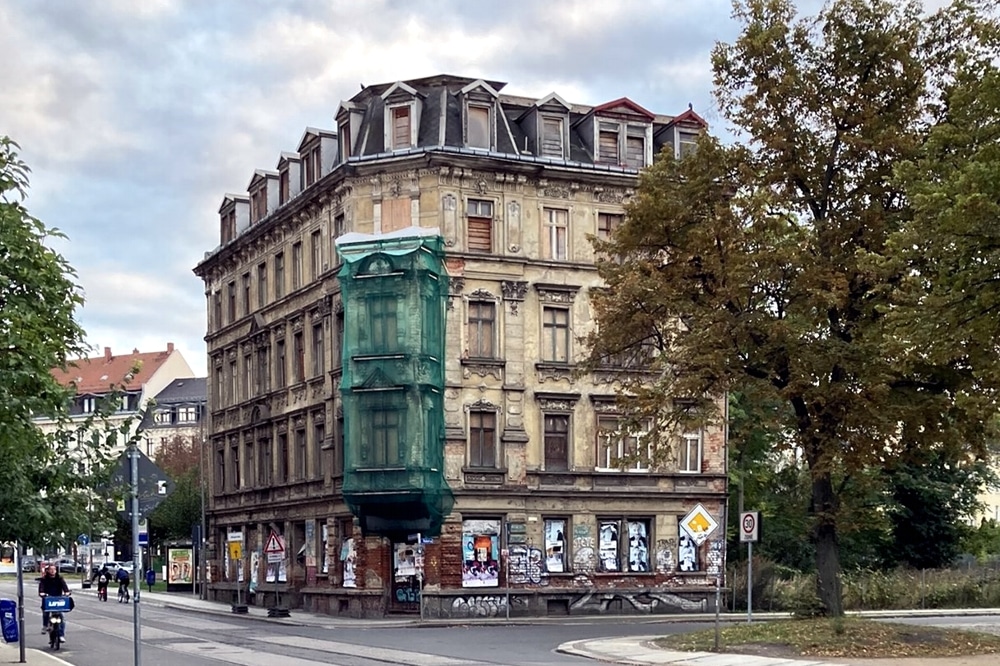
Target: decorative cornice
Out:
[513,290]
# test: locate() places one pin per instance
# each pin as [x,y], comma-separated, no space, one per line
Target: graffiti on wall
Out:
[665,555]
[642,602]
[584,558]
[526,566]
[489,605]
[715,548]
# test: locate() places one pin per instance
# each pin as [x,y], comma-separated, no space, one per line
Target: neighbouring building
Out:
[132,379]
[179,412]
[393,335]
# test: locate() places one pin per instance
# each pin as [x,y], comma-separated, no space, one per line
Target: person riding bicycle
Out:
[52,585]
[123,582]
[103,578]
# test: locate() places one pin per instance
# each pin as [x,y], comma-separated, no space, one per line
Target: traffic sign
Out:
[236,550]
[699,524]
[143,532]
[83,539]
[275,548]
[749,526]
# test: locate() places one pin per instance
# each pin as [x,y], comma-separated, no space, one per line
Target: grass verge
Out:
[848,637]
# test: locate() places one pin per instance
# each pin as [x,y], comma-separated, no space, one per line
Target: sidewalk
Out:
[10,653]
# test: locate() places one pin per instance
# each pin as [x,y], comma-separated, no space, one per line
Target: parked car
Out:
[29,563]
[66,565]
[113,568]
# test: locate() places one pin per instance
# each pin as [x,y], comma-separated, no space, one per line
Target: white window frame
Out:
[681,138]
[490,124]
[563,142]
[478,203]
[624,129]
[551,229]
[620,437]
[684,461]
[389,128]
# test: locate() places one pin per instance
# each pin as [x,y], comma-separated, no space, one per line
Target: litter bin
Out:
[8,618]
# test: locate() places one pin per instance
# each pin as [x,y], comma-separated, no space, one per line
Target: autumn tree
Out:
[173,519]
[778,265]
[46,480]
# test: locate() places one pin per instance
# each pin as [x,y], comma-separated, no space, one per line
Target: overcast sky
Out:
[136,116]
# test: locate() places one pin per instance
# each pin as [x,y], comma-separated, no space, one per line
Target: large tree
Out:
[772,265]
[46,482]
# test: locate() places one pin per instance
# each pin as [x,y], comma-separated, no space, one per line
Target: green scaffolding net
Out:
[394,291]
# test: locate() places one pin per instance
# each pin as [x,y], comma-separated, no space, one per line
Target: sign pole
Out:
[420,572]
[749,582]
[20,601]
[136,626]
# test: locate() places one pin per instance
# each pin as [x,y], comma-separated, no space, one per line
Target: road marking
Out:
[237,655]
[379,654]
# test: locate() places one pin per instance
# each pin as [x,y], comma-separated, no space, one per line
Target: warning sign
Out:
[274,548]
[699,524]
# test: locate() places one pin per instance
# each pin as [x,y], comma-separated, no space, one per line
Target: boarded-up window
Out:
[395,214]
[401,127]
[552,137]
[480,221]
[607,149]
[478,133]
[635,148]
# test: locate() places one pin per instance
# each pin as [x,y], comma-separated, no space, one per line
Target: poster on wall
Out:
[555,546]
[687,552]
[480,553]
[325,556]
[607,544]
[225,564]
[310,544]
[8,559]
[638,546]
[405,560]
[347,558]
[179,566]
[277,572]
[254,570]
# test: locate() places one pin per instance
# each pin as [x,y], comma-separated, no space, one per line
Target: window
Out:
[300,455]
[187,415]
[234,461]
[319,440]
[88,405]
[480,225]
[607,223]
[246,293]
[345,140]
[400,130]
[247,388]
[687,143]
[607,144]
[283,188]
[230,302]
[482,327]
[217,308]
[635,147]
[396,214]
[258,204]
[296,265]
[264,462]
[554,532]
[282,458]
[690,453]
[382,317]
[262,285]
[229,226]
[318,356]
[280,363]
[250,472]
[385,430]
[616,445]
[482,439]
[312,164]
[163,417]
[338,226]
[220,469]
[555,335]
[316,259]
[339,340]
[556,442]
[552,137]
[338,448]
[299,357]
[478,133]
[234,379]
[555,233]
[220,382]
[263,374]
[279,275]
[623,545]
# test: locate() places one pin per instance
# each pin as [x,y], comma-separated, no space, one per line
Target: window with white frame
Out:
[555,234]
[479,219]
[690,453]
[555,334]
[400,127]
[621,144]
[687,143]
[551,137]
[620,448]
[477,128]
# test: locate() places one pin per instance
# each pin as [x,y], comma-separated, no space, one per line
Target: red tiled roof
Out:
[627,103]
[96,376]
[688,117]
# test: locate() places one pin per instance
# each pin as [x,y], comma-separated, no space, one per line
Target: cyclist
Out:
[123,581]
[53,585]
[103,578]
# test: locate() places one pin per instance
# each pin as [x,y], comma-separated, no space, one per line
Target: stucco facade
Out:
[545,517]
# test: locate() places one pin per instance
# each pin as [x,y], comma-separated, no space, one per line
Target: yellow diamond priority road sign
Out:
[699,524]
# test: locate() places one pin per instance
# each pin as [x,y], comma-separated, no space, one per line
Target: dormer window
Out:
[552,137]
[283,187]
[477,133]
[402,115]
[622,144]
[687,143]
[312,164]
[228,226]
[258,204]
[345,140]
[400,127]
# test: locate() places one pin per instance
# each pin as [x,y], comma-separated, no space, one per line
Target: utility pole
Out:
[133,454]
[20,601]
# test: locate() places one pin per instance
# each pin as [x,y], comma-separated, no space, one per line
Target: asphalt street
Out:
[99,634]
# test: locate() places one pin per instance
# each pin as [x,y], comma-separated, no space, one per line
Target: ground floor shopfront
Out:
[568,558]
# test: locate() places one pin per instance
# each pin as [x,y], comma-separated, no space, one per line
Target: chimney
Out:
[107,353]
[135,350]
[170,348]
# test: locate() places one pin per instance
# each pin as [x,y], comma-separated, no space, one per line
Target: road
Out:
[99,634]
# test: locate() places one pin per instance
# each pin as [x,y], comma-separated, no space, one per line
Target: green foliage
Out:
[46,481]
[781,267]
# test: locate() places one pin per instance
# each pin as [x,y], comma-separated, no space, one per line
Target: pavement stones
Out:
[640,650]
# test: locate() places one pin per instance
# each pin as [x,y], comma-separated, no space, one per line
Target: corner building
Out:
[394,323]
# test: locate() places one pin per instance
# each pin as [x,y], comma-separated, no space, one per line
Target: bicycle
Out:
[123,594]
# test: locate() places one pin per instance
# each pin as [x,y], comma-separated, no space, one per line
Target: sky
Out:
[137,116]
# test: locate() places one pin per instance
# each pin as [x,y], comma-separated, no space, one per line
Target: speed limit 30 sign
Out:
[749,526]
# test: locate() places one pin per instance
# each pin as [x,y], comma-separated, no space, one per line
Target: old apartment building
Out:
[394,318]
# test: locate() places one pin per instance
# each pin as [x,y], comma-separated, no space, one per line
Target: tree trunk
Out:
[824,506]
